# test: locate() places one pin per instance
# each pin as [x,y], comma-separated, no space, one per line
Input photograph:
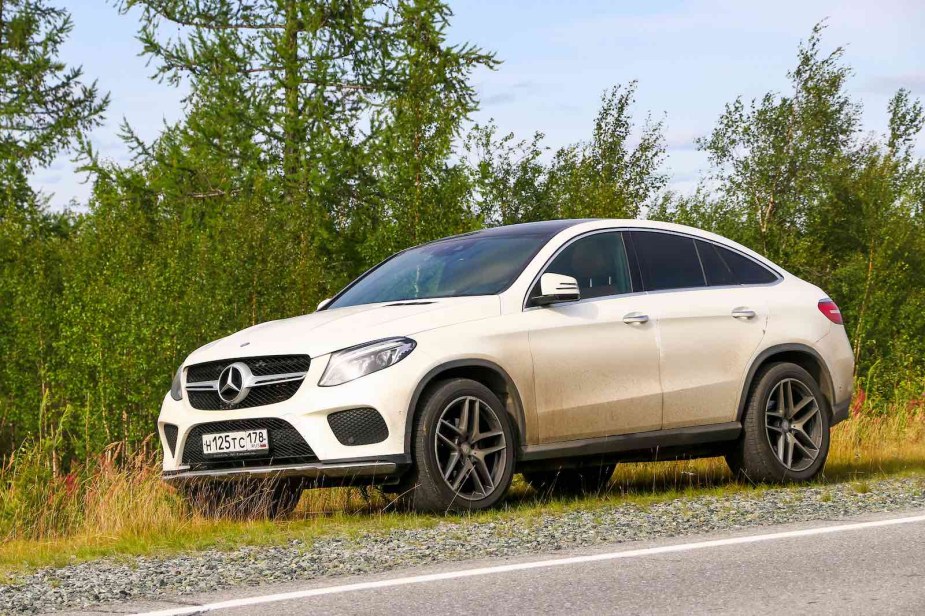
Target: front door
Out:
[596,361]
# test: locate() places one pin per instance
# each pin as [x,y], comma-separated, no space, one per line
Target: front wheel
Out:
[463,448]
[785,428]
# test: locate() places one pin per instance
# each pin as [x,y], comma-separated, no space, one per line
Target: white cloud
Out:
[888,84]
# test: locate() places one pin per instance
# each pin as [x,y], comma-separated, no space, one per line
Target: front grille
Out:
[286,444]
[170,433]
[358,427]
[260,366]
[259,395]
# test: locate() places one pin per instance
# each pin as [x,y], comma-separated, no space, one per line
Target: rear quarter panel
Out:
[794,318]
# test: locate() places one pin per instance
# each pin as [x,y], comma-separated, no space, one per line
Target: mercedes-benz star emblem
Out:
[234,383]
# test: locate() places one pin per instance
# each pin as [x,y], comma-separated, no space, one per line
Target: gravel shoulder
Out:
[107,581]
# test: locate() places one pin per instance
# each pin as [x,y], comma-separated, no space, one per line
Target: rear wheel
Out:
[463,448]
[571,481]
[785,428]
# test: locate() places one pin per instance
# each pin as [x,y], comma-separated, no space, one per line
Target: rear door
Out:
[709,323]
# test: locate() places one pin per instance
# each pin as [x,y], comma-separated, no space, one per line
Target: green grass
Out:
[121,509]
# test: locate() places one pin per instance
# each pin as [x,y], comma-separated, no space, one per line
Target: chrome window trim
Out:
[707,287]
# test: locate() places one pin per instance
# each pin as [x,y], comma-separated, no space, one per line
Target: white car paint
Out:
[579,370]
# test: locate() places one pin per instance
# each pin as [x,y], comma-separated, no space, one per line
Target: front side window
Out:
[667,261]
[598,262]
[457,267]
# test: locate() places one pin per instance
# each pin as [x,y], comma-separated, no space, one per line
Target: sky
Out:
[690,58]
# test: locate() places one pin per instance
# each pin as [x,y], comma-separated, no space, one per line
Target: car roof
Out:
[548,229]
[543,228]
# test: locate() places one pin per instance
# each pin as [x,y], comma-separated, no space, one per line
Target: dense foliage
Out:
[322,135]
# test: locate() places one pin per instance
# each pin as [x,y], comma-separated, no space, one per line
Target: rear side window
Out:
[746,271]
[667,261]
[715,268]
[727,267]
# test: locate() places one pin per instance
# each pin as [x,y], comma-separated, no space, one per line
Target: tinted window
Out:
[746,271]
[667,261]
[716,269]
[597,262]
[468,265]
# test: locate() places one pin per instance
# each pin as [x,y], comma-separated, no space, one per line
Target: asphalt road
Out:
[870,565]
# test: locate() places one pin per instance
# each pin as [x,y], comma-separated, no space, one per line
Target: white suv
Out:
[555,349]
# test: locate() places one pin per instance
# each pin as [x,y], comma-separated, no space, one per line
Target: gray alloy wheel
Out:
[794,424]
[469,445]
[462,449]
[785,429]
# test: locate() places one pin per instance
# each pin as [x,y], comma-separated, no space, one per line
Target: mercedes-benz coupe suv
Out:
[552,349]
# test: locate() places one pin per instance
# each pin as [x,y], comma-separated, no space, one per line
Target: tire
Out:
[244,500]
[207,499]
[582,481]
[782,445]
[478,463]
[283,497]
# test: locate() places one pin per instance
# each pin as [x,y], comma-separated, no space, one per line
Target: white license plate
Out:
[225,443]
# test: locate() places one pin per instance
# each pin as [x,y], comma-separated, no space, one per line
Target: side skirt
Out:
[638,446]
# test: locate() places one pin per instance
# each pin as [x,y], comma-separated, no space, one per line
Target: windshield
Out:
[469,265]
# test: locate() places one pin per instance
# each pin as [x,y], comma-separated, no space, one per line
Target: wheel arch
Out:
[486,372]
[800,354]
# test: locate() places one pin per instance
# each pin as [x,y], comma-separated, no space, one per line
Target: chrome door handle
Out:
[635,317]
[743,313]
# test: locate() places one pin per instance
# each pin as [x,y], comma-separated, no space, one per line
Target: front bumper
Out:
[346,470]
[388,392]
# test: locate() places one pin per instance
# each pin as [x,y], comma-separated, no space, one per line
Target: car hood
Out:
[331,330]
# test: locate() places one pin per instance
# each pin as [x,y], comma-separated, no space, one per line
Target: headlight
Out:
[358,361]
[176,391]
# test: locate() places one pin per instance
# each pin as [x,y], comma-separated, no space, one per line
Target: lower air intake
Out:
[170,433]
[358,427]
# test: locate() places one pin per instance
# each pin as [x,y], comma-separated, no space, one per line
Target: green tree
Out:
[318,137]
[44,105]
[795,177]
[773,157]
[867,239]
[509,177]
[320,82]
[608,176]
[420,192]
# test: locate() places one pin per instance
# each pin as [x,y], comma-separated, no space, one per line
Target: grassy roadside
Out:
[115,506]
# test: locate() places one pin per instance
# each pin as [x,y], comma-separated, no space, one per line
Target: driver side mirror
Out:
[557,288]
[323,303]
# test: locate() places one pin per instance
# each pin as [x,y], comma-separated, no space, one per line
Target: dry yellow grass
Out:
[117,505]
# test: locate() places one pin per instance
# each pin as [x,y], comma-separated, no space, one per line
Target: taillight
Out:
[830,310]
